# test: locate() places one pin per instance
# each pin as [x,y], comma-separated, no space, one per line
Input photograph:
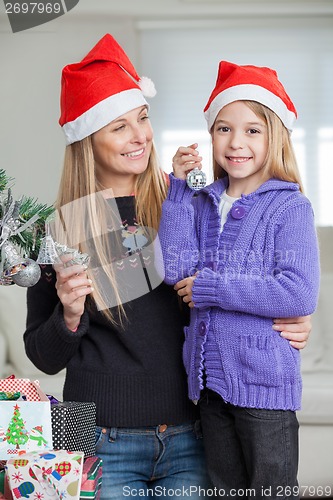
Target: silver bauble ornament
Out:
[28,276]
[196,179]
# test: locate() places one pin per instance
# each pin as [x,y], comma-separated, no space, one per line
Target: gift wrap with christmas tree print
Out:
[74,426]
[24,426]
[53,474]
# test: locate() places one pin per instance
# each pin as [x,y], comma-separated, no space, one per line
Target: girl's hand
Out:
[184,289]
[186,159]
[72,287]
[296,330]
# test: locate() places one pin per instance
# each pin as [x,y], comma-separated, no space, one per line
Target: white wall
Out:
[301,51]
[181,57]
[31,141]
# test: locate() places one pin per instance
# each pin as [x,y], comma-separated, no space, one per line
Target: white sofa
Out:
[13,359]
[316,416]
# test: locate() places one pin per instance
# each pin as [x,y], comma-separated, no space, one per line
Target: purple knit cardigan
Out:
[264,265]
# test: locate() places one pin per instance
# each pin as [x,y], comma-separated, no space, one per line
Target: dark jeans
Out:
[250,453]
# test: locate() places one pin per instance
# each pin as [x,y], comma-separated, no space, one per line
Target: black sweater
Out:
[134,374]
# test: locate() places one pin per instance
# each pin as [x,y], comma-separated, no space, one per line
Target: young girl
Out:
[241,252]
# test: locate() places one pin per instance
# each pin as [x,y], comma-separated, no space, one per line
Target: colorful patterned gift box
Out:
[91,478]
[74,426]
[54,474]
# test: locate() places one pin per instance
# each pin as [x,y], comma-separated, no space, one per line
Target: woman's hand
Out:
[296,330]
[72,287]
[184,289]
[186,159]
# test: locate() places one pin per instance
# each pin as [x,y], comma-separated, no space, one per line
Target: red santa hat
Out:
[99,89]
[252,83]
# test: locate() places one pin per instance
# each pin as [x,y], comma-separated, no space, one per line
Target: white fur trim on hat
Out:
[250,92]
[103,113]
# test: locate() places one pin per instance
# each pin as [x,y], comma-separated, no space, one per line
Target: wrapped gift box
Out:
[28,388]
[91,478]
[74,426]
[24,426]
[7,493]
[53,474]
[2,481]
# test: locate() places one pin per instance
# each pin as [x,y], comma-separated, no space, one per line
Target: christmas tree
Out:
[16,433]
[22,227]
[14,215]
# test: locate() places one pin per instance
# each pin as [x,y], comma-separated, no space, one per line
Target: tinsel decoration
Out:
[22,228]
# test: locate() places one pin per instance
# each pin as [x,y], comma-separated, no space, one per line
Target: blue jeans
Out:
[163,461]
[250,453]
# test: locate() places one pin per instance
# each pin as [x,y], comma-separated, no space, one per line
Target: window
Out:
[183,64]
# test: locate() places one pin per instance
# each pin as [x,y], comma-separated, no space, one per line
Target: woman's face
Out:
[122,148]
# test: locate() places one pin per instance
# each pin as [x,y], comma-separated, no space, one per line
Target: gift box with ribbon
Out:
[91,478]
[53,474]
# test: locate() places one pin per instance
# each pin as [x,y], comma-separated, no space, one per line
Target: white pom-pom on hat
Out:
[147,86]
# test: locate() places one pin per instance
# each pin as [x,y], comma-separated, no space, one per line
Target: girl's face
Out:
[122,149]
[240,145]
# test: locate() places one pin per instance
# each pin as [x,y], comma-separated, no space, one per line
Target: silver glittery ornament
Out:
[13,261]
[77,257]
[28,276]
[48,253]
[196,179]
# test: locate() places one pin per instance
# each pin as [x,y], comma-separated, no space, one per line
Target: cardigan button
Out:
[238,212]
[202,328]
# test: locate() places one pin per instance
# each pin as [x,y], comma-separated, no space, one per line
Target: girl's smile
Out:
[238,159]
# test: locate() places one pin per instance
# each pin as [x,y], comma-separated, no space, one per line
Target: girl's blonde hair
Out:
[280,162]
[85,217]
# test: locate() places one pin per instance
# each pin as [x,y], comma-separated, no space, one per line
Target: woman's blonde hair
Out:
[85,217]
[280,162]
